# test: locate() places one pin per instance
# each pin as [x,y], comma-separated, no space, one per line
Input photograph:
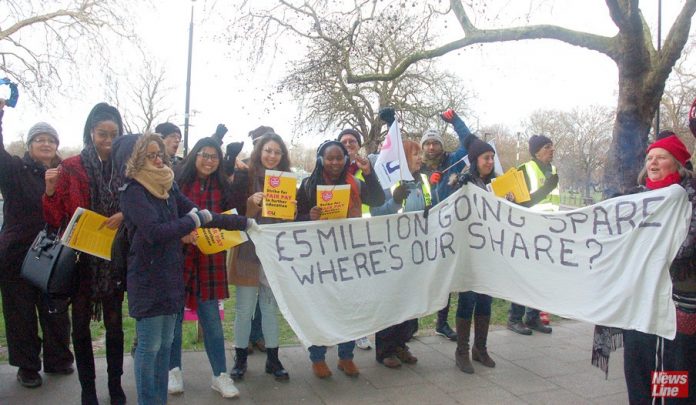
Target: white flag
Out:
[391,165]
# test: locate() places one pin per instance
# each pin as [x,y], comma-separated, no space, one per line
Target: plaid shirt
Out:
[205,276]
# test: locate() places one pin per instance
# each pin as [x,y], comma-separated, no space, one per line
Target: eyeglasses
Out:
[213,157]
[47,141]
[155,155]
[273,152]
[349,141]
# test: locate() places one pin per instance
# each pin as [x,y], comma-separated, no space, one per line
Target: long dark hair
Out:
[186,172]
[256,168]
[100,113]
[317,176]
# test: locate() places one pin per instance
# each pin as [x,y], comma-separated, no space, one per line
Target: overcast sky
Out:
[510,80]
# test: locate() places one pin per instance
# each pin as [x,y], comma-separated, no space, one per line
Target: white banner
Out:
[391,165]
[606,264]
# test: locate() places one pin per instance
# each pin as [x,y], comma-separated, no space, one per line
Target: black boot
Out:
[442,328]
[118,397]
[479,352]
[89,393]
[461,355]
[240,364]
[274,366]
[114,363]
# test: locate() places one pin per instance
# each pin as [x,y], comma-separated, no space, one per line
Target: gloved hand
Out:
[435,177]
[551,182]
[387,115]
[448,116]
[464,179]
[201,217]
[400,194]
[233,150]
[220,132]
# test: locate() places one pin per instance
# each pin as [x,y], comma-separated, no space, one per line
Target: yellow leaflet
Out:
[280,192]
[333,201]
[214,240]
[511,182]
[86,233]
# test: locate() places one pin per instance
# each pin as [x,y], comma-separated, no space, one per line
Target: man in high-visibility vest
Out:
[542,182]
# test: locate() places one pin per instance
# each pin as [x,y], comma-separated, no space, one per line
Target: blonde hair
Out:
[138,157]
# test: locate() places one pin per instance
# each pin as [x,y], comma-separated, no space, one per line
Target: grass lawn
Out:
[287,336]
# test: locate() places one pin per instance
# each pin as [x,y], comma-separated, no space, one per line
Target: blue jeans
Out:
[256,331]
[517,311]
[213,337]
[470,301]
[245,307]
[155,336]
[345,352]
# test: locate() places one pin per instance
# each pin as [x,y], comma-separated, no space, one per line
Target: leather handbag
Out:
[50,266]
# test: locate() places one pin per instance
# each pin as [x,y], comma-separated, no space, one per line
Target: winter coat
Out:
[156,260]
[22,184]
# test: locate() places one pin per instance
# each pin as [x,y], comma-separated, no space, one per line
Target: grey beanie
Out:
[42,128]
[431,134]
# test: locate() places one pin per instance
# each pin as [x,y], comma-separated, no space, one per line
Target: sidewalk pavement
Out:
[537,369]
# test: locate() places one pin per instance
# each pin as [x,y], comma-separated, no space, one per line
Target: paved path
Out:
[538,369]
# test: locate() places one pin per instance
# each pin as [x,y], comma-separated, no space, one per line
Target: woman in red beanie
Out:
[644,353]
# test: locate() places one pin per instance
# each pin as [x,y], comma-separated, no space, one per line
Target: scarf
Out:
[158,181]
[354,202]
[103,200]
[434,164]
[672,178]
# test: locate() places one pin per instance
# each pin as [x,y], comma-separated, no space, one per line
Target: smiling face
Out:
[103,135]
[485,163]
[351,144]
[207,162]
[659,164]
[271,154]
[334,161]
[43,148]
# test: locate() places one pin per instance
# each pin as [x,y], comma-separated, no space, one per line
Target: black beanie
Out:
[537,142]
[350,131]
[257,133]
[167,128]
[477,148]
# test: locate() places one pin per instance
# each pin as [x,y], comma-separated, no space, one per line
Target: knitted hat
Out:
[353,132]
[537,142]
[476,148]
[664,134]
[674,146]
[167,128]
[431,134]
[41,128]
[257,133]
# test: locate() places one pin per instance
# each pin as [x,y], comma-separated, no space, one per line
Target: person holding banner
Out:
[332,169]
[203,181]
[87,181]
[158,216]
[405,196]
[24,308]
[646,353]
[246,272]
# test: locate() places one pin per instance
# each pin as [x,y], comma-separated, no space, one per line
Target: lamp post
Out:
[188,83]
[659,47]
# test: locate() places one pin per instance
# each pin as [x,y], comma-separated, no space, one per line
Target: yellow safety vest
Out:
[365,208]
[425,188]
[536,179]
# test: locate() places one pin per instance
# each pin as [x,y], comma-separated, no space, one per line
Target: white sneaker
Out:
[176,381]
[225,386]
[364,343]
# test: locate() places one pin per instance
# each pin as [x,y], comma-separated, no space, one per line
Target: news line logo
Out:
[670,384]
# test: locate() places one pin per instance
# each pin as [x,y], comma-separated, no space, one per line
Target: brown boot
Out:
[479,352]
[405,355]
[348,367]
[461,355]
[321,370]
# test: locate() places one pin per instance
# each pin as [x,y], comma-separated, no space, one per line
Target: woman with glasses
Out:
[246,272]
[22,184]
[87,180]
[201,178]
[158,216]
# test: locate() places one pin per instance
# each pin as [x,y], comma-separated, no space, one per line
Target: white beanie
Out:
[431,134]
